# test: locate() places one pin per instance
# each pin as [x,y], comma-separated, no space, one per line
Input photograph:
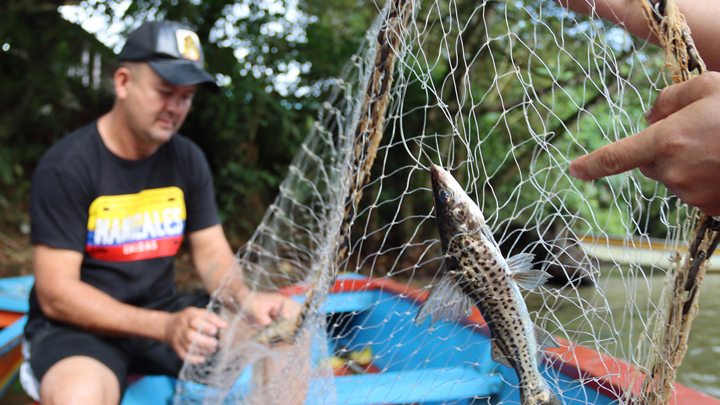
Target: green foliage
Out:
[250,131]
[43,96]
[533,103]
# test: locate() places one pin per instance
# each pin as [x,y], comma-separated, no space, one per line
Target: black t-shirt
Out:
[128,218]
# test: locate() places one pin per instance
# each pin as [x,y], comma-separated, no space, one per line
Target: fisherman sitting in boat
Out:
[111,204]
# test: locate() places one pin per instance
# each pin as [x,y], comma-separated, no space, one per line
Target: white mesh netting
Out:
[504,95]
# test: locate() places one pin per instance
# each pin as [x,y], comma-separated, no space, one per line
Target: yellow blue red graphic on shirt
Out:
[130,227]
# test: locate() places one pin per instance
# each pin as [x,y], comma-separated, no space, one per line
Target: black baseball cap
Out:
[172,49]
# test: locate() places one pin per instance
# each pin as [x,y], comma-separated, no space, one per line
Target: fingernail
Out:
[575,172]
[648,114]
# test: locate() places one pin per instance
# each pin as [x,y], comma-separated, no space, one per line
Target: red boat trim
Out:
[9,365]
[7,318]
[604,373]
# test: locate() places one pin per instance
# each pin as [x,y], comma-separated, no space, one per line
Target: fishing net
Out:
[504,95]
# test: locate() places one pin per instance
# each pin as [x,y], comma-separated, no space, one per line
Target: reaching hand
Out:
[193,324]
[681,149]
[617,11]
[262,308]
[626,13]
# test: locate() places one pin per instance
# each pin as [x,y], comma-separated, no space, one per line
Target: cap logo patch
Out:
[188,44]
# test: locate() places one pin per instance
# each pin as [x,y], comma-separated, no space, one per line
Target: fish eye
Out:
[445,196]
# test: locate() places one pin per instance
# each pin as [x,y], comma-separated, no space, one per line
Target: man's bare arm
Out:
[702,17]
[65,298]
[213,259]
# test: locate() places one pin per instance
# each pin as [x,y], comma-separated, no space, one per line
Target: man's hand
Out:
[701,16]
[626,13]
[617,11]
[262,308]
[681,148]
[193,324]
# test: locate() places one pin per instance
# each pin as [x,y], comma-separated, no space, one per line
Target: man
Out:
[110,206]
[681,148]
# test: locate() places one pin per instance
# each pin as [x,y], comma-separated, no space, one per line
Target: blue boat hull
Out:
[449,363]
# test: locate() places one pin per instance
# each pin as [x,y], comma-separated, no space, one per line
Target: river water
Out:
[614,320]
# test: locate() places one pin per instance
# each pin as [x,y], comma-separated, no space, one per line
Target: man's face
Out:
[154,108]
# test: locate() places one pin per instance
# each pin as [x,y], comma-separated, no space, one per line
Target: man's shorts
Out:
[50,342]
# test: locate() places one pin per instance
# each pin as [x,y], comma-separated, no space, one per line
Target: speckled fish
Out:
[476,274]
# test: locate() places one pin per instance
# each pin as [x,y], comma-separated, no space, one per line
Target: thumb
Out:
[259,310]
[263,318]
[677,96]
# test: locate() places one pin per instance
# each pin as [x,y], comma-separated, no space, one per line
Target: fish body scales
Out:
[477,275]
[486,278]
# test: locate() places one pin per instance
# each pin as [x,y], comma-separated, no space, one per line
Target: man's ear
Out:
[122,78]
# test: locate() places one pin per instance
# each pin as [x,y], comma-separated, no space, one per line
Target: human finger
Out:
[623,155]
[203,344]
[264,316]
[291,309]
[208,323]
[194,359]
[263,308]
[185,355]
[677,96]
[216,321]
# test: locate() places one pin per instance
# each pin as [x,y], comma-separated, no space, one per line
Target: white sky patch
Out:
[94,20]
[286,81]
[222,79]
[290,24]
[618,38]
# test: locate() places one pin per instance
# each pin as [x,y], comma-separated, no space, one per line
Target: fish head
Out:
[455,212]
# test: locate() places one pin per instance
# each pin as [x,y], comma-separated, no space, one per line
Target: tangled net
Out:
[503,94]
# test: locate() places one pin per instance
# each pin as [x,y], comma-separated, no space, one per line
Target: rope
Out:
[366,142]
[370,124]
[679,304]
[669,26]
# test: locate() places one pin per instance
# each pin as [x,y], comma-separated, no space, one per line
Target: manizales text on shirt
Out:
[138,226]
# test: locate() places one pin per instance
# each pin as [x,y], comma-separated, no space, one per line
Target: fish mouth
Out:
[443,178]
[438,174]
[435,172]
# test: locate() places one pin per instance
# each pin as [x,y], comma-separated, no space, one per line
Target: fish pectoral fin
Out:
[530,279]
[446,301]
[497,355]
[544,339]
[520,262]
[523,274]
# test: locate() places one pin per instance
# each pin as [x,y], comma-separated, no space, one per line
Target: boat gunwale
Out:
[605,374]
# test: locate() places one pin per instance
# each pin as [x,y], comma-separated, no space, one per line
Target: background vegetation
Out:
[56,78]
